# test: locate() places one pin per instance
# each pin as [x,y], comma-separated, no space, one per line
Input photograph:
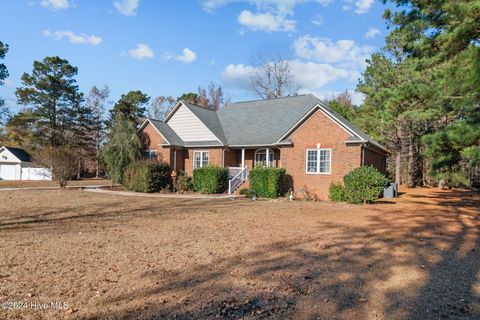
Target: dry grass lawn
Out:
[33,183]
[113,257]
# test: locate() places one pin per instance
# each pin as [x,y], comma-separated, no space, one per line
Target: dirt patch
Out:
[114,257]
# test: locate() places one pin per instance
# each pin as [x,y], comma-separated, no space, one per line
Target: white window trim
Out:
[267,162]
[201,158]
[317,150]
[150,152]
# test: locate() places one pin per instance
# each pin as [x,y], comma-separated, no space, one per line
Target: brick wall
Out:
[319,129]
[214,153]
[151,140]
[372,158]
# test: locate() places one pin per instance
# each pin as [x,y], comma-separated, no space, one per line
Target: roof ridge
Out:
[279,98]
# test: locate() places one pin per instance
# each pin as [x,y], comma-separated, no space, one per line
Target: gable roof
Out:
[261,122]
[165,131]
[209,118]
[20,154]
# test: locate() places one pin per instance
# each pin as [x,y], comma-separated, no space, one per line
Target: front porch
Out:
[239,161]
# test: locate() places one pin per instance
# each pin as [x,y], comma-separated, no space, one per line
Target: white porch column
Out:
[243,158]
[267,164]
[175,159]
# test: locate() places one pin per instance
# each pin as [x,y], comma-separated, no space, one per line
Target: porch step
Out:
[245,184]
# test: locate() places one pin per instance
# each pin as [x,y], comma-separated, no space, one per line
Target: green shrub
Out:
[267,182]
[364,185]
[183,183]
[337,192]
[210,179]
[147,176]
[244,191]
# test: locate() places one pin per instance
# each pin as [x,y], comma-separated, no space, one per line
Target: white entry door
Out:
[7,171]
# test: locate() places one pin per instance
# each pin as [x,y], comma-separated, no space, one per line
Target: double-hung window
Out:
[200,159]
[150,155]
[319,161]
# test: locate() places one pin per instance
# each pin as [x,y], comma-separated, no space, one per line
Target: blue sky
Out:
[170,47]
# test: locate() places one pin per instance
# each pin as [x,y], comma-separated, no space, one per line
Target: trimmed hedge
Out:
[147,176]
[210,179]
[364,185]
[267,182]
[337,192]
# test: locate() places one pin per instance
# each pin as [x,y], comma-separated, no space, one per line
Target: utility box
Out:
[390,191]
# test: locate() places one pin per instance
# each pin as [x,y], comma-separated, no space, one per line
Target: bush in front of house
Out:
[147,176]
[364,185]
[183,182]
[210,179]
[267,182]
[337,192]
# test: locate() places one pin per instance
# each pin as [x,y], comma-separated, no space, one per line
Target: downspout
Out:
[223,157]
[363,154]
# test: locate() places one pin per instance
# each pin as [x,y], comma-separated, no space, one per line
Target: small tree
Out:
[62,162]
[122,147]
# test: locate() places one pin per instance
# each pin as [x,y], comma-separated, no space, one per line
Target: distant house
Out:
[302,134]
[16,164]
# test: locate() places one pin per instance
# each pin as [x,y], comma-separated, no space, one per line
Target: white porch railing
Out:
[237,179]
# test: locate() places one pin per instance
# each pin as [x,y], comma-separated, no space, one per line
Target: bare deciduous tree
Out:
[160,107]
[96,100]
[62,162]
[273,77]
[212,98]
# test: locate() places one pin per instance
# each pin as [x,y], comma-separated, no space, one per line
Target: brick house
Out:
[315,144]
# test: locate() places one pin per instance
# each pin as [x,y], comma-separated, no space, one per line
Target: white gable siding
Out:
[189,127]
[7,157]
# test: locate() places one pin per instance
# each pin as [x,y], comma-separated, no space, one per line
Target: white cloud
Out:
[238,76]
[318,20]
[55,4]
[142,51]
[265,21]
[372,33]
[126,7]
[72,37]
[346,52]
[363,6]
[279,6]
[8,83]
[187,56]
[306,75]
[270,15]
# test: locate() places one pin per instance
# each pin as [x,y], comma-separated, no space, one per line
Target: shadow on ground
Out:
[415,264]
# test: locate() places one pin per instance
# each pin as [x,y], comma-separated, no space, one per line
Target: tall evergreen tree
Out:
[131,105]
[52,93]
[3,76]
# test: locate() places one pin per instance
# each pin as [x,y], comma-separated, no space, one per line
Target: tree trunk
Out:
[398,163]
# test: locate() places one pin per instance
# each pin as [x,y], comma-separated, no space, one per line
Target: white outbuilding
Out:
[16,164]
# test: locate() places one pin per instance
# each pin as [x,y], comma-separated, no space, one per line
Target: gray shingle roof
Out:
[260,122]
[263,122]
[167,132]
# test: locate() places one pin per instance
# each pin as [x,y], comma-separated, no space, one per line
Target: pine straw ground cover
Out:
[114,257]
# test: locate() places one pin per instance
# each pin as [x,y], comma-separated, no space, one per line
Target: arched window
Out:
[261,158]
